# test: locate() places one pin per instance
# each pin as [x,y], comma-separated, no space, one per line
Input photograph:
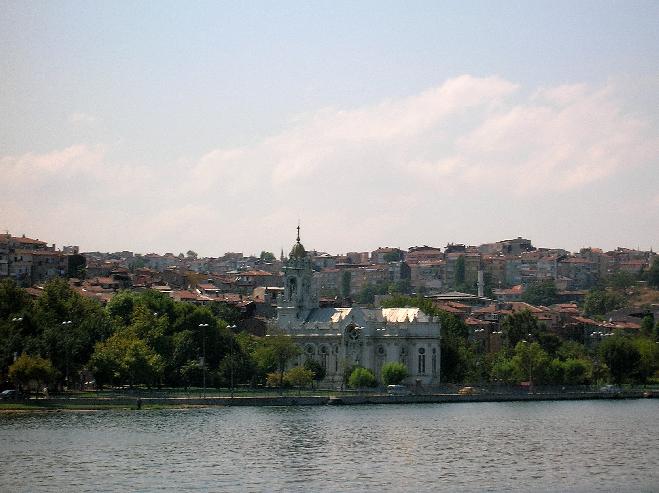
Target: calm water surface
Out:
[561,446]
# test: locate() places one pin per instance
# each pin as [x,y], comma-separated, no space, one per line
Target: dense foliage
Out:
[138,338]
[393,373]
[532,354]
[63,339]
[361,378]
[541,293]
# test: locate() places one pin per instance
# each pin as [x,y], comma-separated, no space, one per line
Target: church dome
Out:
[298,251]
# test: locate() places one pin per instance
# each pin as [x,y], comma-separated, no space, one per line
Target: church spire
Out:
[298,250]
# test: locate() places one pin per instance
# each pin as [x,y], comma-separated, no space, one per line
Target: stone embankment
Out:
[357,399]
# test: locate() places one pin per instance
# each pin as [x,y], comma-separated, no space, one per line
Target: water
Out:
[560,446]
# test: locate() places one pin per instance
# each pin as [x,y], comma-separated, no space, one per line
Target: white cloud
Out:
[80,118]
[410,168]
[466,132]
[31,168]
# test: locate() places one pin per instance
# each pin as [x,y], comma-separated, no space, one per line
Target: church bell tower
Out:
[299,298]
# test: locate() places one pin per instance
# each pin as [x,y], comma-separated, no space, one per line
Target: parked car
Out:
[398,390]
[11,394]
[467,391]
[611,389]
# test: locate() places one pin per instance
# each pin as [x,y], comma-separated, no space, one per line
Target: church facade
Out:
[339,338]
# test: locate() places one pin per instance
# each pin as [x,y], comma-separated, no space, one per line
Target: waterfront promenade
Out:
[139,401]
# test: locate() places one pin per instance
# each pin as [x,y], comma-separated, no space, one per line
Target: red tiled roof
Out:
[256,273]
[27,241]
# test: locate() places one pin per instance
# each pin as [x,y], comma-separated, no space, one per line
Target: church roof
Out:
[298,250]
[360,315]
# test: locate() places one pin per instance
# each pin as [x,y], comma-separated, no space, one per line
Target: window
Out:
[434,361]
[324,354]
[422,360]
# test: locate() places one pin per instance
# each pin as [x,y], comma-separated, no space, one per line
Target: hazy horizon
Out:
[217,126]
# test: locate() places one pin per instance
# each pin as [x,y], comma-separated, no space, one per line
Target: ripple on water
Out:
[578,446]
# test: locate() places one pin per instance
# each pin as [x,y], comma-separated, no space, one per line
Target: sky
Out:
[217,126]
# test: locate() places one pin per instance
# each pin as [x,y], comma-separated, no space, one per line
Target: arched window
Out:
[324,355]
[422,361]
[434,361]
[292,287]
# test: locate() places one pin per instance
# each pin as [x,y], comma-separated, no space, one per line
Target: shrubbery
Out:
[393,373]
[361,378]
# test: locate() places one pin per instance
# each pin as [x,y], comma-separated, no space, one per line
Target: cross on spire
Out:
[298,232]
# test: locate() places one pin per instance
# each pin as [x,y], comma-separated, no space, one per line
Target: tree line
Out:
[62,339]
[531,353]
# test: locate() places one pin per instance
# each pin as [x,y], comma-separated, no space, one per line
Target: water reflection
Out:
[601,446]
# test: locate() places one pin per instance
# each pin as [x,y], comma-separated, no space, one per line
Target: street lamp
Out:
[231,328]
[529,358]
[17,320]
[203,360]
[65,325]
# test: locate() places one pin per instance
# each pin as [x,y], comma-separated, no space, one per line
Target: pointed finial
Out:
[298,231]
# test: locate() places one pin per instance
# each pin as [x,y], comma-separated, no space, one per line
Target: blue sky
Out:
[164,126]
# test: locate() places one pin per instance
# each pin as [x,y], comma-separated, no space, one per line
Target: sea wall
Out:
[359,399]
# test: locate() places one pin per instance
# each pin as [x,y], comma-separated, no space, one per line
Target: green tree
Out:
[600,302]
[549,342]
[275,353]
[555,373]
[393,373]
[647,325]
[120,307]
[18,330]
[28,369]
[503,370]
[316,368]
[299,377]
[519,326]
[653,273]
[13,300]
[541,293]
[192,374]
[267,256]
[191,254]
[577,371]
[621,357]
[572,350]
[531,362]
[361,378]
[648,363]
[621,280]
[68,326]
[125,359]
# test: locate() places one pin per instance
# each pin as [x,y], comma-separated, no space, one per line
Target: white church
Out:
[339,338]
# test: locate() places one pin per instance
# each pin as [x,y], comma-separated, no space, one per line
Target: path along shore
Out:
[64,403]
